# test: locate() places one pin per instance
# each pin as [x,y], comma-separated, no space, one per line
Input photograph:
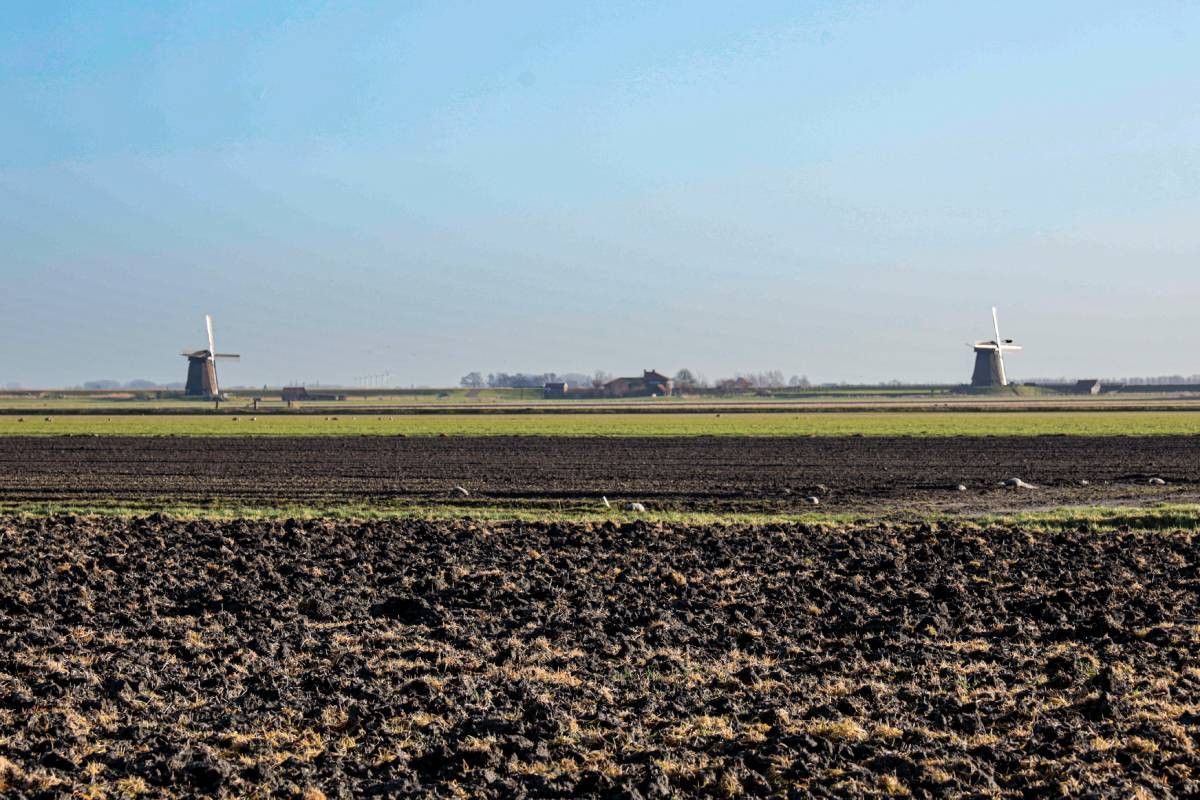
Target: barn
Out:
[651,384]
[294,394]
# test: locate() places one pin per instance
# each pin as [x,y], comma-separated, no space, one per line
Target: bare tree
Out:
[472,380]
[771,379]
[600,378]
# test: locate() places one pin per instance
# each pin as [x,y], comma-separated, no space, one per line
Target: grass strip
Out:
[1096,519]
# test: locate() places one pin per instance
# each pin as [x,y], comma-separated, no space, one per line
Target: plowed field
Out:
[687,474]
[397,658]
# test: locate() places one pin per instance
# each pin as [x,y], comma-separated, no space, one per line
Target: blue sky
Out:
[835,189]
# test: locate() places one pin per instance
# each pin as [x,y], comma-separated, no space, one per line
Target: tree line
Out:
[684,379]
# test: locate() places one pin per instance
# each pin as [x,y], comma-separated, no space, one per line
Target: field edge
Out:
[1097,519]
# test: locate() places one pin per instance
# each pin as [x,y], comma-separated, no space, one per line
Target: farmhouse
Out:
[651,384]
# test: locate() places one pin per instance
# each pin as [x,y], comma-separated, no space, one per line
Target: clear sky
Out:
[835,189]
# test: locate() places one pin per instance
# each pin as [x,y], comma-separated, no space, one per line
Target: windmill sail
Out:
[989,358]
[995,324]
[202,367]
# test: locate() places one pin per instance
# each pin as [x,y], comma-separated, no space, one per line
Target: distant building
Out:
[651,384]
[1089,386]
[294,394]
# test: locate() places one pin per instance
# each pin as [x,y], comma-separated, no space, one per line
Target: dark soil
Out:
[692,474]
[391,659]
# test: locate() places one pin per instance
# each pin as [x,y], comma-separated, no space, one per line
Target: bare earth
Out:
[692,474]
[407,658]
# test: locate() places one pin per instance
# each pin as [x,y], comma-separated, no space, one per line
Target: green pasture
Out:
[270,400]
[451,401]
[920,424]
[453,398]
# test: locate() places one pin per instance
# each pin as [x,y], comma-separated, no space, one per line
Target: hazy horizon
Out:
[581,379]
[840,191]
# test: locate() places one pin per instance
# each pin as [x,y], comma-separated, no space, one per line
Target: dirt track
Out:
[456,659]
[697,474]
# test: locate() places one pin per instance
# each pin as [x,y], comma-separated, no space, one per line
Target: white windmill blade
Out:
[999,348]
[212,348]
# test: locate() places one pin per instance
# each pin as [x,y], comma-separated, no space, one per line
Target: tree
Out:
[685,379]
[600,378]
[472,380]
[771,379]
[799,382]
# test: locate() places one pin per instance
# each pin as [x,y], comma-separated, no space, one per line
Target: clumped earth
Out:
[308,659]
[714,474]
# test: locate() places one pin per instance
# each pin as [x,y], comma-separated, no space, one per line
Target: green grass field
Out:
[528,400]
[1022,423]
[119,402]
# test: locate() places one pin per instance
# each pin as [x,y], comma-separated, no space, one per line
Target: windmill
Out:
[989,359]
[202,368]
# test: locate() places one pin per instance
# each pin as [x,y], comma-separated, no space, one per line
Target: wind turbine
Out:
[202,367]
[989,358]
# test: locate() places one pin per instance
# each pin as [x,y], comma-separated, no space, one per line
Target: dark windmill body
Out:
[202,368]
[989,359]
